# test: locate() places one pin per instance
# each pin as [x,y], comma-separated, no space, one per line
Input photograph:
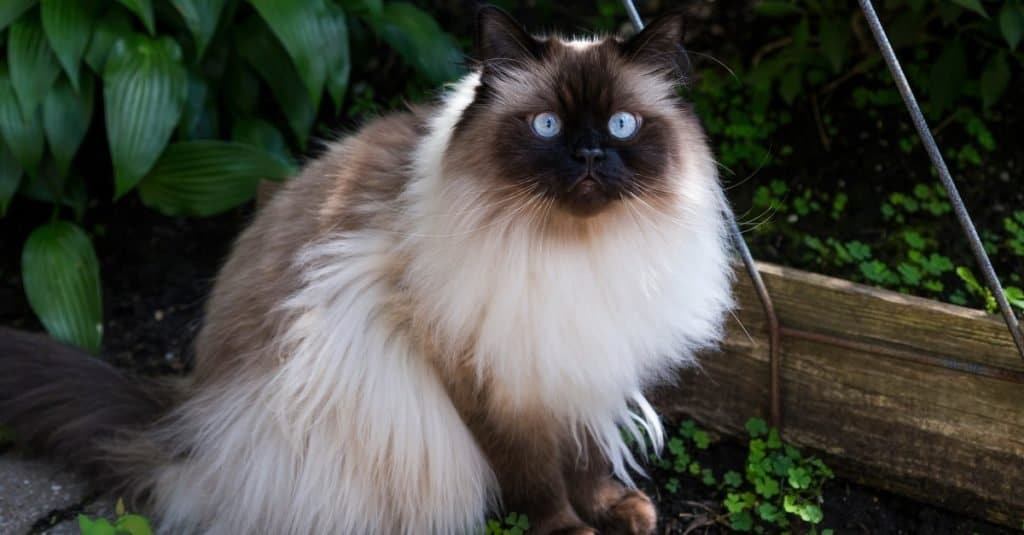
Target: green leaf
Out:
[10,177]
[369,8]
[144,91]
[733,478]
[973,5]
[297,26]
[203,178]
[1011,23]
[334,35]
[416,37]
[261,134]
[199,118]
[34,67]
[68,25]
[66,118]
[144,10]
[99,526]
[10,10]
[776,8]
[994,80]
[261,50]
[62,282]
[1013,294]
[742,521]
[835,38]
[757,427]
[113,25]
[133,525]
[947,77]
[24,137]
[201,17]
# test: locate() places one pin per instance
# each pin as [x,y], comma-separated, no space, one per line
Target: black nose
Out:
[589,155]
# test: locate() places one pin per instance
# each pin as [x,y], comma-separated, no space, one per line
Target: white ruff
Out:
[577,329]
[354,433]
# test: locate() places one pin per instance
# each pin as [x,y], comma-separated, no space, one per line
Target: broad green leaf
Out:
[10,177]
[10,10]
[144,10]
[334,33]
[199,118]
[144,91]
[203,178]
[261,134]
[1011,23]
[47,187]
[416,36]
[973,5]
[68,25]
[201,17]
[24,135]
[66,118]
[34,67]
[994,80]
[947,77]
[261,50]
[62,282]
[297,26]
[112,26]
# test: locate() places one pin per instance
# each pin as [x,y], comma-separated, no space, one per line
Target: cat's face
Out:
[579,125]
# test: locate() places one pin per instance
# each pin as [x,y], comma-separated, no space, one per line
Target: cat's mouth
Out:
[587,195]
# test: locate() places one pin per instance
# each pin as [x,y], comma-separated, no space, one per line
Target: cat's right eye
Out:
[546,124]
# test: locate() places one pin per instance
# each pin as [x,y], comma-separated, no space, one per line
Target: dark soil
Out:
[157,271]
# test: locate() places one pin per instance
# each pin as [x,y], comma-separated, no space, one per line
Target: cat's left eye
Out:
[623,125]
[547,124]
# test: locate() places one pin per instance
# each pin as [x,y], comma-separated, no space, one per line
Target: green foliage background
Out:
[188,104]
[193,101]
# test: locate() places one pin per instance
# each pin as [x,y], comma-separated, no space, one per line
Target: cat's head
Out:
[578,126]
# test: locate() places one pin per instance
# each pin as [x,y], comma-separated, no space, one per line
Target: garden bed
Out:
[902,393]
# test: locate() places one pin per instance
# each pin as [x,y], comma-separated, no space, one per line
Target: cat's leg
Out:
[604,501]
[526,455]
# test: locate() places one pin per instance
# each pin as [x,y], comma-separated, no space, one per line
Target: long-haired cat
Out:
[452,312]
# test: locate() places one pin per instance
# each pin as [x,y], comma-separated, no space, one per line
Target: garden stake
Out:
[928,141]
[774,363]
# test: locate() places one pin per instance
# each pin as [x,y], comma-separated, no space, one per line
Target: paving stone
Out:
[29,489]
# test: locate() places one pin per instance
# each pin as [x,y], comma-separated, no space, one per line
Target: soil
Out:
[157,271]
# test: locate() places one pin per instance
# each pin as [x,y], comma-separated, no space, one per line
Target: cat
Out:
[451,313]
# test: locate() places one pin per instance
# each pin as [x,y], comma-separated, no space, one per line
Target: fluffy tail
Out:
[71,405]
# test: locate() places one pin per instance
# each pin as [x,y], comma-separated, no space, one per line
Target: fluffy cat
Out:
[453,311]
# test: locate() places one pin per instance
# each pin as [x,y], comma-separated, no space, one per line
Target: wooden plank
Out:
[938,434]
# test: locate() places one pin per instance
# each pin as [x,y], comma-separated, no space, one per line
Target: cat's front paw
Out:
[633,514]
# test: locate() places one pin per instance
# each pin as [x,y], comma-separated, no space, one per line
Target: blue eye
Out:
[623,125]
[547,124]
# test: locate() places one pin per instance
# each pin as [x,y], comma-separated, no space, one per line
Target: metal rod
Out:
[947,180]
[774,380]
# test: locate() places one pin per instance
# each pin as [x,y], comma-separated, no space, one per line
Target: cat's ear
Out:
[501,40]
[661,43]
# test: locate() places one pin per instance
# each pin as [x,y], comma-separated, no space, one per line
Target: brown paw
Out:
[633,514]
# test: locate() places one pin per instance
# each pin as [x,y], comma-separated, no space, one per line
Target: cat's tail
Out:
[70,405]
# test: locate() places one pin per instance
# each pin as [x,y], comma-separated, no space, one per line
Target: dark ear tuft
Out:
[661,43]
[501,39]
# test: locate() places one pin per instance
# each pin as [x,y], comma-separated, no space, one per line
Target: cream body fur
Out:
[578,329]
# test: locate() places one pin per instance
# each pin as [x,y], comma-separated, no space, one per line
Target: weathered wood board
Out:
[906,394]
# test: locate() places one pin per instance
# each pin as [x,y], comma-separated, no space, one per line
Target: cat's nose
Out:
[589,155]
